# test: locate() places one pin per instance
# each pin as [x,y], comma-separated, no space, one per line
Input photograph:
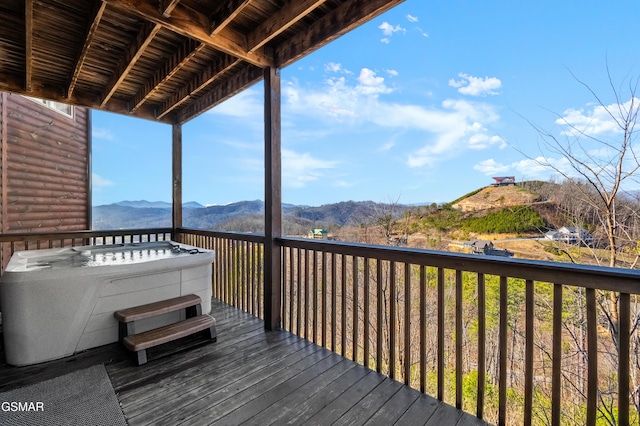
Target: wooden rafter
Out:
[82,55]
[133,53]
[226,12]
[28,45]
[210,74]
[176,62]
[167,6]
[276,24]
[339,21]
[221,92]
[196,25]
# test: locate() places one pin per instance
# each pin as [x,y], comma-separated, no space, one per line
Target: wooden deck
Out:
[250,377]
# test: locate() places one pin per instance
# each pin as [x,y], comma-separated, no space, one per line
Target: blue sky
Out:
[422,104]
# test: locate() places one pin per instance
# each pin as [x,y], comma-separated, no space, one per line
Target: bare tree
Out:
[601,165]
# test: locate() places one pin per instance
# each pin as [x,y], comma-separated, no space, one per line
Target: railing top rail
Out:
[25,236]
[587,276]
[242,236]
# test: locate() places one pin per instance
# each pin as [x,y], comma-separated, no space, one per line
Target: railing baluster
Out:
[315,297]
[334,301]
[624,329]
[592,354]
[291,266]
[343,308]
[556,373]
[423,328]
[528,357]
[379,315]
[367,313]
[482,339]
[245,287]
[299,293]
[356,304]
[392,319]
[441,334]
[306,294]
[324,298]
[458,339]
[407,323]
[502,387]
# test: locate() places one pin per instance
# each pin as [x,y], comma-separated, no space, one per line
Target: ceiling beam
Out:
[211,73]
[221,92]
[288,15]
[176,62]
[194,24]
[28,45]
[131,56]
[13,83]
[88,39]
[225,13]
[167,6]
[346,17]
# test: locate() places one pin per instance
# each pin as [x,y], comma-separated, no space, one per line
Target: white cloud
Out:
[333,67]
[412,18]
[596,121]
[490,167]
[370,83]
[392,73]
[388,30]
[340,98]
[102,133]
[442,131]
[246,104]
[387,146]
[96,180]
[476,86]
[300,168]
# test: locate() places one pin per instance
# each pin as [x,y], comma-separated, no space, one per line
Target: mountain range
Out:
[243,214]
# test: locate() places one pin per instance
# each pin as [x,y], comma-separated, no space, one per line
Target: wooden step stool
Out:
[140,342]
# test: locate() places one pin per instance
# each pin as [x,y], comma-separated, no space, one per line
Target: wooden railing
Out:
[238,276]
[512,341]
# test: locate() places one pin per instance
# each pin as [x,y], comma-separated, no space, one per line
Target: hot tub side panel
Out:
[42,320]
[122,293]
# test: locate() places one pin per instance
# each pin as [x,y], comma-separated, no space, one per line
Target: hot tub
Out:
[56,302]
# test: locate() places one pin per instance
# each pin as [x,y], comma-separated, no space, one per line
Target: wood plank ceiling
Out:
[164,60]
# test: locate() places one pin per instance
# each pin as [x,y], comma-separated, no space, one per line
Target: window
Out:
[56,106]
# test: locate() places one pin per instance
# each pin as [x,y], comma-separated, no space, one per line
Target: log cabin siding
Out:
[45,176]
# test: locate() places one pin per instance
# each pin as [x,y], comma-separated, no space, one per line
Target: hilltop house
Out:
[504,181]
[570,235]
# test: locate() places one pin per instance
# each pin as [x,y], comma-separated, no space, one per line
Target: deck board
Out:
[249,377]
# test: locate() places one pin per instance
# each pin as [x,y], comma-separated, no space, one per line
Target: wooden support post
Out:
[89,210]
[176,156]
[273,199]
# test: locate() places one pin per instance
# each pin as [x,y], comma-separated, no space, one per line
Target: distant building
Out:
[318,234]
[570,235]
[504,180]
[396,240]
[487,248]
